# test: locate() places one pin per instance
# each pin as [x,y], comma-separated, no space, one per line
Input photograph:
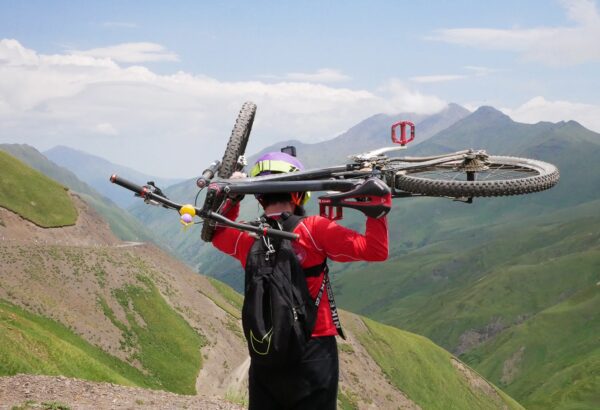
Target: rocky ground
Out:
[62,393]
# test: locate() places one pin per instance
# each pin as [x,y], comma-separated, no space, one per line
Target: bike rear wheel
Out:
[501,176]
[236,147]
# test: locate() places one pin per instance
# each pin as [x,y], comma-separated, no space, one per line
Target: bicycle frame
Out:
[340,179]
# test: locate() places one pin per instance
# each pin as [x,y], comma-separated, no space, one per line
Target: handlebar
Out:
[139,190]
[147,194]
[260,230]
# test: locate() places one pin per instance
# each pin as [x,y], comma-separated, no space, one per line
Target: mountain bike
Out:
[460,176]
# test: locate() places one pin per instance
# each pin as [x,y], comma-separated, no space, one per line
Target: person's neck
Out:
[279,208]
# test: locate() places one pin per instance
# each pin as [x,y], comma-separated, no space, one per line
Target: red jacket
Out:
[320,238]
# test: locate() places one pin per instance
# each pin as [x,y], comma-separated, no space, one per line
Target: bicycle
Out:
[461,176]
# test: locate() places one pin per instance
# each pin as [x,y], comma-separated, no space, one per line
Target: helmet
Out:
[279,163]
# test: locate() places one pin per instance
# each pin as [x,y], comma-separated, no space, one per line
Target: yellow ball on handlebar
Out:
[187,209]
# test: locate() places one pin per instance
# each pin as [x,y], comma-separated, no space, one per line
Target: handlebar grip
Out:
[208,174]
[128,184]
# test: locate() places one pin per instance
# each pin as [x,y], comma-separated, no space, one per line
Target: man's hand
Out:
[237,197]
[238,175]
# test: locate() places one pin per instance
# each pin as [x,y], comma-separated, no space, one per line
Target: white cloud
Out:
[106,129]
[322,75]
[12,53]
[564,45]
[404,99]
[473,71]
[480,71]
[130,53]
[441,78]
[539,109]
[170,124]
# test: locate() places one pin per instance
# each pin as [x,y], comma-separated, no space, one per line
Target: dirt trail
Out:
[81,394]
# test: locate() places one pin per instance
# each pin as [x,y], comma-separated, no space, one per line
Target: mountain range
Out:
[93,170]
[490,281]
[369,134]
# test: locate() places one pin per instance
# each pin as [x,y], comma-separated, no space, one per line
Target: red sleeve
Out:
[232,241]
[345,245]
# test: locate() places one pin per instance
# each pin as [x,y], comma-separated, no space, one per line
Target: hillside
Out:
[470,276]
[34,196]
[121,223]
[551,359]
[78,302]
[94,171]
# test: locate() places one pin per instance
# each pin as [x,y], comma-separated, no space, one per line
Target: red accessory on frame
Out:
[402,125]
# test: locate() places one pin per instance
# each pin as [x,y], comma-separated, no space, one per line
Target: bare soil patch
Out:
[79,394]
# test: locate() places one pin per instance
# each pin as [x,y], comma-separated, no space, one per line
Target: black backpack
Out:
[278,315]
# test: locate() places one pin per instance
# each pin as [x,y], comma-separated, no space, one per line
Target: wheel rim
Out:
[492,172]
[497,176]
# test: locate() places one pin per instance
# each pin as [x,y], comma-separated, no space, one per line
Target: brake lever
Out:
[156,190]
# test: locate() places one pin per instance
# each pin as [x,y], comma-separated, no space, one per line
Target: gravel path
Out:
[80,394]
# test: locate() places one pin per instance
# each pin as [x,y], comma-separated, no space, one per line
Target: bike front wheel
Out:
[236,146]
[500,176]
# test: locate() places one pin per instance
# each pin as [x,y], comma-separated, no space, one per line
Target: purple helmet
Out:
[275,162]
[280,162]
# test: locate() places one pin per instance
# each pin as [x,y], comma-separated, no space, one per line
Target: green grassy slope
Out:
[157,336]
[552,360]
[501,277]
[167,347]
[34,196]
[465,275]
[34,344]
[123,225]
[427,374]
[153,336]
[507,291]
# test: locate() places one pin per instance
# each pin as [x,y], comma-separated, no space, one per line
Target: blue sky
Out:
[165,80]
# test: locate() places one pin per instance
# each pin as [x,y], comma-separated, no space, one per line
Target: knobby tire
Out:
[530,176]
[235,147]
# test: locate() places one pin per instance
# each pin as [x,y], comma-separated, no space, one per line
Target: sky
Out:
[157,85]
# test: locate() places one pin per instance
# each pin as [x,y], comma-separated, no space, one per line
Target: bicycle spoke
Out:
[500,176]
[450,171]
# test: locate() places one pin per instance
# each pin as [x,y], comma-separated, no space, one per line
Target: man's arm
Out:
[233,241]
[345,245]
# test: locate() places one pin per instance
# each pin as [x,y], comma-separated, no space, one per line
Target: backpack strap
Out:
[289,223]
[334,313]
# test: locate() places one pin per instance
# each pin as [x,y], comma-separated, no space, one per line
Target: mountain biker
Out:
[312,383]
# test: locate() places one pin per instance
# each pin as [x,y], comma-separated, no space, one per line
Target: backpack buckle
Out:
[270,249]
